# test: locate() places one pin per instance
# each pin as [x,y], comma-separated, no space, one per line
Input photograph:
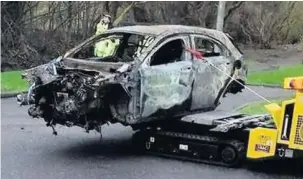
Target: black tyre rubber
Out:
[228,155]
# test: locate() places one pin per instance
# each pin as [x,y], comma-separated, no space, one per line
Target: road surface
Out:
[30,151]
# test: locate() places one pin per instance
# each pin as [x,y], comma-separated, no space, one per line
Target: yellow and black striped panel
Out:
[299,131]
[296,135]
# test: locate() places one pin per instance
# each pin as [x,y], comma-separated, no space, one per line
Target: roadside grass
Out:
[274,77]
[259,107]
[11,81]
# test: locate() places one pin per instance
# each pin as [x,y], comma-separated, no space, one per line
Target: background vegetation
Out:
[12,82]
[35,32]
[274,77]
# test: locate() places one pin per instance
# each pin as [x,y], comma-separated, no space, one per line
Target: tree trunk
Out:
[70,20]
[124,13]
[220,16]
[85,20]
[12,13]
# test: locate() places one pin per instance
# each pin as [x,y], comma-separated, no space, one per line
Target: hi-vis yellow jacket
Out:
[104,48]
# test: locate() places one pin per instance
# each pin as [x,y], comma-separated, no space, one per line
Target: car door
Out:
[211,73]
[166,80]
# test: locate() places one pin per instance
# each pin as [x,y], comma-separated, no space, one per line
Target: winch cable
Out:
[245,86]
[199,56]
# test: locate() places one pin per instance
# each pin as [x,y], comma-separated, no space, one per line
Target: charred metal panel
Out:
[165,86]
[45,73]
[91,65]
[209,81]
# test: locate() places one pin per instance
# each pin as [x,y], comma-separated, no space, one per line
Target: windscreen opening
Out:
[122,47]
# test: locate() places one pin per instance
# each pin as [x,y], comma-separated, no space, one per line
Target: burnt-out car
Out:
[154,73]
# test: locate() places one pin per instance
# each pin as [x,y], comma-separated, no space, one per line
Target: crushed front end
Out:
[68,96]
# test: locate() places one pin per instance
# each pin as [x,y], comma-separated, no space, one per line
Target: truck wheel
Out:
[228,155]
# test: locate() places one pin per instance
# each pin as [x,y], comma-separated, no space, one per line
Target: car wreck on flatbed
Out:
[153,74]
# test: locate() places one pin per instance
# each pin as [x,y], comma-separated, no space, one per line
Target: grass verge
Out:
[258,107]
[11,82]
[274,77]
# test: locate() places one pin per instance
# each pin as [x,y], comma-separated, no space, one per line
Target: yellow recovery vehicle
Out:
[227,139]
[286,138]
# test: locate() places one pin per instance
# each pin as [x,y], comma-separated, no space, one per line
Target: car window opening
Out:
[207,47]
[172,51]
[122,48]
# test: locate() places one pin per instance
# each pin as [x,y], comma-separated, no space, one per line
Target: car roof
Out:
[161,29]
[166,30]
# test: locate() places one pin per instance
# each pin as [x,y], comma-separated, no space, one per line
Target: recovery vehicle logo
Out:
[264,144]
[263,148]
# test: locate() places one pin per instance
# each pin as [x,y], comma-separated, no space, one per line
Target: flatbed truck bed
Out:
[215,137]
[227,139]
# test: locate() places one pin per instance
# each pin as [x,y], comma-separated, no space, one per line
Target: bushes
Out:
[35,48]
[35,32]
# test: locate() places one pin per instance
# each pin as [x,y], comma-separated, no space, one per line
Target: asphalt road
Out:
[30,151]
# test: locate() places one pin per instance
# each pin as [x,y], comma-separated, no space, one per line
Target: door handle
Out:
[186,68]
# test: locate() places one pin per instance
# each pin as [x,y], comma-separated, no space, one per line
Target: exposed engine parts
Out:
[69,100]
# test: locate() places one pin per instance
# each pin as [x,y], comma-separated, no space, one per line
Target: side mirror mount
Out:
[238,64]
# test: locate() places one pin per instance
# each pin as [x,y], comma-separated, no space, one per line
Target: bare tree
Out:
[35,32]
[124,12]
[263,26]
[234,6]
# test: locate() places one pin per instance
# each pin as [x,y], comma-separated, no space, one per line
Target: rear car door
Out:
[210,81]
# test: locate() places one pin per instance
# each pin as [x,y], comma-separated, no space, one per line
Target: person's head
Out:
[106,19]
[105,23]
